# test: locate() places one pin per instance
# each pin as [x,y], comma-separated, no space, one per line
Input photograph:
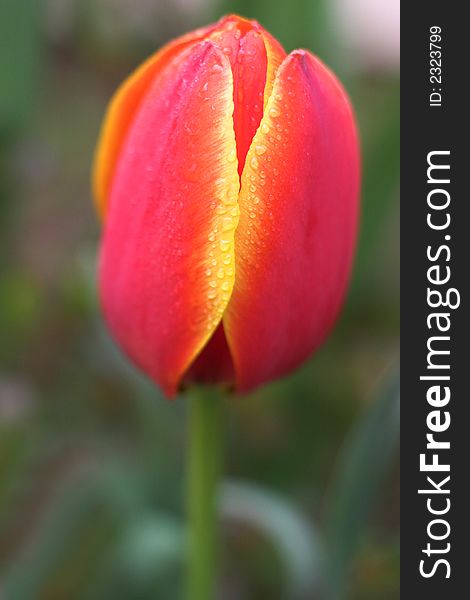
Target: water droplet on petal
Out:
[224,245]
[260,149]
[230,200]
[227,224]
[274,112]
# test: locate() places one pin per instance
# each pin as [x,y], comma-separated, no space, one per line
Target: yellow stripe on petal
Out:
[220,261]
[275,54]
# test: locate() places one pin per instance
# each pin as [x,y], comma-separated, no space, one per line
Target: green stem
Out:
[204,462]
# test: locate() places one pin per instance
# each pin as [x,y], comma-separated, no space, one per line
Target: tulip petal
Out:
[167,258]
[249,73]
[244,46]
[298,214]
[122,109]
[275,55]
[214,364]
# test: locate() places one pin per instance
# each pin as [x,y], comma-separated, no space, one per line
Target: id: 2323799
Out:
[435,65]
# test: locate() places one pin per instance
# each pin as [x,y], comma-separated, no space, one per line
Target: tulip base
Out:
[204,468]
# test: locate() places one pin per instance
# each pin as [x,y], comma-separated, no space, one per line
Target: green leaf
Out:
[293,536]
[363,464]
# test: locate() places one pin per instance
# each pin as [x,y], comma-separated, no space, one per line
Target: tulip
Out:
[226,176]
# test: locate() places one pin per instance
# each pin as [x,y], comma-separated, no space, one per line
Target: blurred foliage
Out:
[91,455]
[373,443]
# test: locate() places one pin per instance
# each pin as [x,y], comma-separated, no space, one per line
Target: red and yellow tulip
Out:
[227,177]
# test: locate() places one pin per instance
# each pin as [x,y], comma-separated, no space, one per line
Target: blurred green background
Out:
[92,457]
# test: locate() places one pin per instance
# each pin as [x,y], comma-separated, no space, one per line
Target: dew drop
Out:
[260,149]
[212,284]
[232,157]
[225,286]
[230,200]
[227,259]
[211,294]
[265,128]
[224,245]
[274,112]
[254,163]
[227,224]
[221,273]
